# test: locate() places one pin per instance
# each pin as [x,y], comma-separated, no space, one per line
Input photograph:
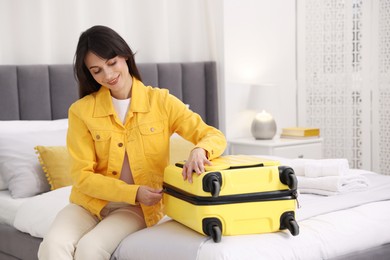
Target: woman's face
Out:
[113,74]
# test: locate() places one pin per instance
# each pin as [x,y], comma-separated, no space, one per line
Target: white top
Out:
[121,107]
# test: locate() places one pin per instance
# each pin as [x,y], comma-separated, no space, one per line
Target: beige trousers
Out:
[77,234]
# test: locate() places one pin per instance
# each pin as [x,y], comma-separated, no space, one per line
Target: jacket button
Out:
[97,137]
[114,173]
[120,144]
[152,129]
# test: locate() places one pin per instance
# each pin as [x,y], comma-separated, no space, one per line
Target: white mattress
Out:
[329,227]
[321,237]
[8,207]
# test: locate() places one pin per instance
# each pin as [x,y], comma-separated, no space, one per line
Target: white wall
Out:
[259,38]
[253,42]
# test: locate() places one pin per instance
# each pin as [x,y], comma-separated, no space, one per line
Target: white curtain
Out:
[47,31]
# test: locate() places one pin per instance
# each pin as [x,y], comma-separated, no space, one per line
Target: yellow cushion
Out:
[55,164]
[179,149]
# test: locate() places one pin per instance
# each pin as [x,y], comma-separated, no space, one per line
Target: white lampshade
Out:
[264,97]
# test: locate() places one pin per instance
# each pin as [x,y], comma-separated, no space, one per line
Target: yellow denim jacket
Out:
[97,141]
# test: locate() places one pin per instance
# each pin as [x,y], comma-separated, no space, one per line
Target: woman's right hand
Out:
[148,196]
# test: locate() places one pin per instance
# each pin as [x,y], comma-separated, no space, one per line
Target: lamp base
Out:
[263,128]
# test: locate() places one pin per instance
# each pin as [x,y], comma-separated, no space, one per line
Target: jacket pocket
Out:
[152,135]
[102,140]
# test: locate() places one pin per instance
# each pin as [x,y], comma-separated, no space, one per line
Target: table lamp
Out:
[262,100]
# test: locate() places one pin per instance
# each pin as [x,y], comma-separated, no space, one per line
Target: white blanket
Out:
[329,226]
[322,237]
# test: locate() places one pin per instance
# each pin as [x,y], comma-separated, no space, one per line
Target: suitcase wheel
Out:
[287,221]
[212,183]
[213,227]
[287,177]
[293,227]
[216,234]
[216,188]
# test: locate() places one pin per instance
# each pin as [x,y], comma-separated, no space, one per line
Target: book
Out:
[299,137]
[300,132]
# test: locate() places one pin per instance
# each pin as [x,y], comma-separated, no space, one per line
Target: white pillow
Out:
[27,126]
[35,215]
[20,170]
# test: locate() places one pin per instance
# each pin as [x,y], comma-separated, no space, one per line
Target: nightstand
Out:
[282,147]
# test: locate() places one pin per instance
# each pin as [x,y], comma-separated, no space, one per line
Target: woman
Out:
[118,139]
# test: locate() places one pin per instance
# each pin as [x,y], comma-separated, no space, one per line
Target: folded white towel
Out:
[317,167]
[326,167]
[331,185]
[298,164]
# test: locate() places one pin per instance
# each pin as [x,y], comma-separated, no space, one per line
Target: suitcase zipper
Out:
[295,195]
[181,165]
[228,199]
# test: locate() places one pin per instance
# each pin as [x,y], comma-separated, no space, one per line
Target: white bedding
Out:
[329,226]
[35,215]
[8,207]
[313,205]
[321,237]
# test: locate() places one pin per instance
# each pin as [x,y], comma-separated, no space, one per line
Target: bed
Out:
[33,108]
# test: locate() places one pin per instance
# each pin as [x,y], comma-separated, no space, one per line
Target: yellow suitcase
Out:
[236,195]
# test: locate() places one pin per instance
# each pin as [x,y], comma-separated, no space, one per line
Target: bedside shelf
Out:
[283,147]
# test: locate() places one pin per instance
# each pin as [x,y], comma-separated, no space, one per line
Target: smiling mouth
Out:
[114,81]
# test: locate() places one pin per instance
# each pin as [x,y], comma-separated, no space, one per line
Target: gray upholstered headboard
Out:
[45,92]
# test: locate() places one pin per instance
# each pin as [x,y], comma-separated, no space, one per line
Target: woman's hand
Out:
[148,196]
[195,163]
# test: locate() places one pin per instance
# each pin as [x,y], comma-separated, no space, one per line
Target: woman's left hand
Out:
[195,163]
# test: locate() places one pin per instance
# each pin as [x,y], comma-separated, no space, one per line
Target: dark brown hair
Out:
[105,43]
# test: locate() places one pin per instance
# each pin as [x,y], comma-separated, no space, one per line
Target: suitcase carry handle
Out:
[233,162]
